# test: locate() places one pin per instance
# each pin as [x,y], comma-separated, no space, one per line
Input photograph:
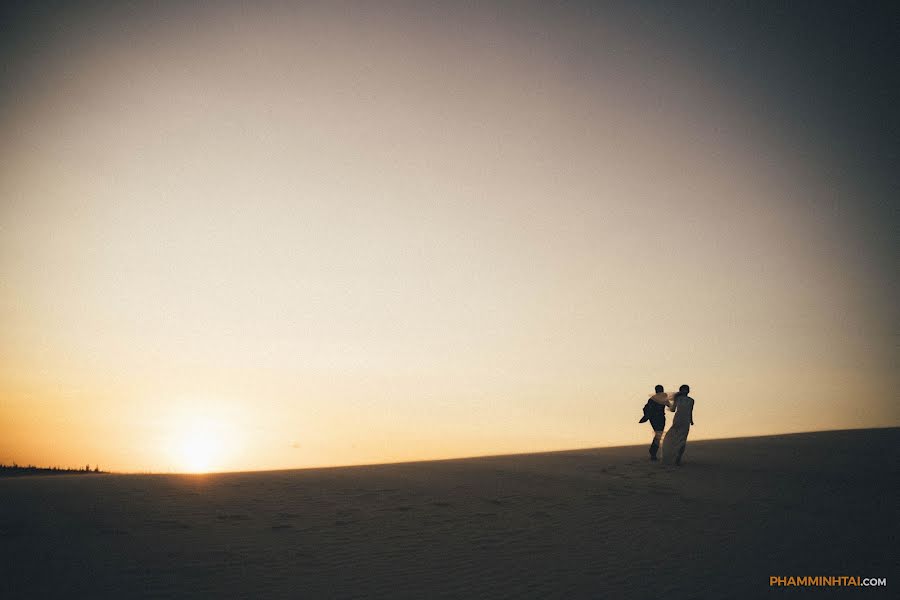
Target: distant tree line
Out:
[15,470]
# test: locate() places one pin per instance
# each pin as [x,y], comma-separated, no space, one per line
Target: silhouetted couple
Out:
[676,439]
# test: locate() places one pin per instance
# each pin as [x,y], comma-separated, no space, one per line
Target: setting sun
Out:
[199,451]
[199,446]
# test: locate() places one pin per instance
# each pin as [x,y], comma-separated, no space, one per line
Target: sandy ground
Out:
[581,524]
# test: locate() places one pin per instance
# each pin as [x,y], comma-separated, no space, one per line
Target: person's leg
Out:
[659,425]
[654,445]
[680,453]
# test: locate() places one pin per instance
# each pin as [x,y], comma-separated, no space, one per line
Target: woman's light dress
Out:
[676,437]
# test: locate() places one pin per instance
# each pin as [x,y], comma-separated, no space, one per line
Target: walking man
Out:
[655,412]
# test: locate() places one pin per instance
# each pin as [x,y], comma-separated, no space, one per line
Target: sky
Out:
[275,235]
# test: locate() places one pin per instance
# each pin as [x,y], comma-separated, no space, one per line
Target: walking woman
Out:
[676,438]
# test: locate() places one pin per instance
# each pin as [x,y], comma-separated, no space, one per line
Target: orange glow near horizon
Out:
[201,445]
[262,239]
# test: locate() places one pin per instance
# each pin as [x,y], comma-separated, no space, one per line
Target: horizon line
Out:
[483,456]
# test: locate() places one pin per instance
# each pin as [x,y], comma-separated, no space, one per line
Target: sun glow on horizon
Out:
[200,445]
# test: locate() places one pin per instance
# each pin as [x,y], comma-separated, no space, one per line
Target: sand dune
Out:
[578,524]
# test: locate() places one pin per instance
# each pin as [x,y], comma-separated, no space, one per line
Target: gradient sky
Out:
[273,235]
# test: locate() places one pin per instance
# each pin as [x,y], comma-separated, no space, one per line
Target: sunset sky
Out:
[273,235]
